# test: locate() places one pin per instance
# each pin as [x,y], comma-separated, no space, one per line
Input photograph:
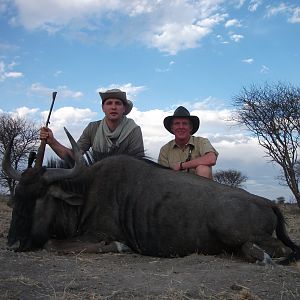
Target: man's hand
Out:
[176,167]
[46,134]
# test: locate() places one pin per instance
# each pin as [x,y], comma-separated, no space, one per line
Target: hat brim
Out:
[194,119]
[118,95]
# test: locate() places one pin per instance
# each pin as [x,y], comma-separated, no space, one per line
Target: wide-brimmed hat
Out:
[117,94]
[182,112]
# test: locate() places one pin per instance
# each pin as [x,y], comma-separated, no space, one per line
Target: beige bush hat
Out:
[117,94]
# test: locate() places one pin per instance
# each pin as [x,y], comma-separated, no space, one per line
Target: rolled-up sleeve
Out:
[135,144]
[163,157]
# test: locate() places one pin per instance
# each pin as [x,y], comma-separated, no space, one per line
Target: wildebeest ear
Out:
[69,197]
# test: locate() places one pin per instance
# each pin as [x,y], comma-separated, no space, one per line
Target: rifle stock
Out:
[40,154]
[41,150]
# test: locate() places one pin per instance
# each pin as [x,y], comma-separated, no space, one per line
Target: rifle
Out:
[41,149]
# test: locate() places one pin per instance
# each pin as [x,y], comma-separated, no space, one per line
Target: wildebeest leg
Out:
[275,248]
[253,253]
[74,246]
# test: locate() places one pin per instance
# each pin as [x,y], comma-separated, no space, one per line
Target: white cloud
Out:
[11,65]
[11,74]
[239,3]
[58,73]
[292,13]
[295,15]
[248,60]
[164,70]
[254,4]
[64,92]
[74,119]
[53,15]
[169,26]
[233,22]
[236,37]
[160,70]
[25,112]
[221,39]
[172,38]
[274,10]
[264,69]
[131,91]
[38,88]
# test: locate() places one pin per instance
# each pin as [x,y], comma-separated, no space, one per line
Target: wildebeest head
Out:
[30,187]
[33,185]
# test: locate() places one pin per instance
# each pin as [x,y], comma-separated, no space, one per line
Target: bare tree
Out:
[26,138]
[297,169]
[272,114]
[230,177]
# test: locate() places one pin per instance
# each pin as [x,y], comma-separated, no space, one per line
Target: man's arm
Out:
[209,159]
[136,144]
[62,151]
[163,157]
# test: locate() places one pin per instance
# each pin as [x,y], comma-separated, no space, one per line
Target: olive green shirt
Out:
[132,144]
[170,153]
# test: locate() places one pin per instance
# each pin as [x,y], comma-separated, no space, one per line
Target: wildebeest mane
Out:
[91,158]
[57,163]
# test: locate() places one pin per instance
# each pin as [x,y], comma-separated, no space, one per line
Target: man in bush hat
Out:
[114,134]
[187,152]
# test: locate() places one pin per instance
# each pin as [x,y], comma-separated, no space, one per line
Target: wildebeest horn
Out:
[57,174]
[6,163]
[76,151]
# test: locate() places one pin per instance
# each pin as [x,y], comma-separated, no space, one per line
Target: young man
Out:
[187,152]
[114,134]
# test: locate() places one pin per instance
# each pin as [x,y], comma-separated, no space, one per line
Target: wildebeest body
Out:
[159,212]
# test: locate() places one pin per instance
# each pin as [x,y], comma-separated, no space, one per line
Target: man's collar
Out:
[190,142]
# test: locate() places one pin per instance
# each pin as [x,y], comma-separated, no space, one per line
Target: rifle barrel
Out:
[41,150]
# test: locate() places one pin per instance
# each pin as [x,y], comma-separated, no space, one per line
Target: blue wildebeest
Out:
[153,210]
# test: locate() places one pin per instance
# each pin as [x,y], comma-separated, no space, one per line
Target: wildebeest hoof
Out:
[14,247]
[267,261]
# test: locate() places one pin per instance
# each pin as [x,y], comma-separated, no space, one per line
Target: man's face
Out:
[114,109]
[181,127]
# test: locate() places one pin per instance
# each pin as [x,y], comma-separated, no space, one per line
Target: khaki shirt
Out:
[170,153]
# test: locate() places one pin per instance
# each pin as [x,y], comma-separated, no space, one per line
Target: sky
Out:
[195,53]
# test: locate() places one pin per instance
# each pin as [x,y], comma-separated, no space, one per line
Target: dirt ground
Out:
[42,275]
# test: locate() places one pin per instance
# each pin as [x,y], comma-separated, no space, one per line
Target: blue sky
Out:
[163,54]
